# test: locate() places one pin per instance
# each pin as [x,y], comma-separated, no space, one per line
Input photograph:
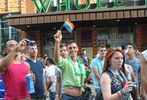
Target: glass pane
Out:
[110,36]
[5,30]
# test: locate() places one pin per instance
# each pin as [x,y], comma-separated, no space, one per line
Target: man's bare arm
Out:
[58,38]
[51,80]
[144,73]
[6,61]
[44,84]
[58,85]
[95,70]
[134,80]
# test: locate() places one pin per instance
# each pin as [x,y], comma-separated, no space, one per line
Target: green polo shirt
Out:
[70,79]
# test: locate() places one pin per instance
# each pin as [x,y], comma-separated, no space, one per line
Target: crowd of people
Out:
[116,74]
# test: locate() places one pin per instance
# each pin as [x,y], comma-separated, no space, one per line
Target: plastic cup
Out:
[126,51]
[30,83]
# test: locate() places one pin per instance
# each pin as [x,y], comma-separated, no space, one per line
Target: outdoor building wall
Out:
[94,41]
[141,37]
[79,39]
[17,6]
[37,36]
[28,7]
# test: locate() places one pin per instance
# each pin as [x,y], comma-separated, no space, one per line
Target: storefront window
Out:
[49,42]
[115,37]
[7,32]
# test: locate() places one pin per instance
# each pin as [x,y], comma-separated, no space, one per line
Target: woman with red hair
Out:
[113,82]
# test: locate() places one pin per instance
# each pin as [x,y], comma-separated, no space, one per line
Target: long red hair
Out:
[109,55]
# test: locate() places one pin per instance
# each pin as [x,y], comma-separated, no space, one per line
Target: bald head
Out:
[10,42]
[10,45]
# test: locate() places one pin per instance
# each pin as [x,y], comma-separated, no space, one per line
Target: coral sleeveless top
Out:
[15,82]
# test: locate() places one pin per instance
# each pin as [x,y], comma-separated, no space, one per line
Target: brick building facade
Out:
[17,6]
[99,22]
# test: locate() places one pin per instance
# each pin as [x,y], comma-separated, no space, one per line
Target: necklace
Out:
[122,79]
[81,70]
[79,74]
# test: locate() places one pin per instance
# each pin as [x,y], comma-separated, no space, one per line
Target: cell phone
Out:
[134,84]
[31,43]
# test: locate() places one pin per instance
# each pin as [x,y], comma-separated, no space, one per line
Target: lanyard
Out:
[79,64]
[122,79]
[79,74]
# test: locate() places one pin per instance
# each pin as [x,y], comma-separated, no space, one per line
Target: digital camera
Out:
[31,43]
[135,84]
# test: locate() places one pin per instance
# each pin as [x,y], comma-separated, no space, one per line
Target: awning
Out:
[83,17]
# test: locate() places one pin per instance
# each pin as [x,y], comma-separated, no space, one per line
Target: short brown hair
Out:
[83,50]
[62,45]
[134,46]
[70,42]
[101,46]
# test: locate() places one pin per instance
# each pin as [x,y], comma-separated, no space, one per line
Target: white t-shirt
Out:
[50,71]
[145,54]
[58,74]
[128,70]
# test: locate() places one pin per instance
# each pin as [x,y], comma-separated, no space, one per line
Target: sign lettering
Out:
[44,5]
[78,7]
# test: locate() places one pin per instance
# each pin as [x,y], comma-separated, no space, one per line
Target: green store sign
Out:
[45,4]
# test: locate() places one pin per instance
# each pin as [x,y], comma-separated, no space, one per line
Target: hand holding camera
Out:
[134,84]
[31,43]
[21,45]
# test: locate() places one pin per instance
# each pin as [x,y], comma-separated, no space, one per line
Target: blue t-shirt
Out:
[37,69]
[2,89]
[135,65]
[97,63]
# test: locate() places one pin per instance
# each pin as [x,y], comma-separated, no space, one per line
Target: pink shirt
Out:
[15,82]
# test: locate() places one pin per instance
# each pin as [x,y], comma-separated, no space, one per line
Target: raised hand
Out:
[21,45]
[58,36]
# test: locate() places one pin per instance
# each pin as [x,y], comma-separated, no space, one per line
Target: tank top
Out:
[15,82]
[115,85]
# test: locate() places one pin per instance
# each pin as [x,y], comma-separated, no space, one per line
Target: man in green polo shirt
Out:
[73,71]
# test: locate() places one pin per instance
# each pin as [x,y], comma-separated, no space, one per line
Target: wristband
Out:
[57,95]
